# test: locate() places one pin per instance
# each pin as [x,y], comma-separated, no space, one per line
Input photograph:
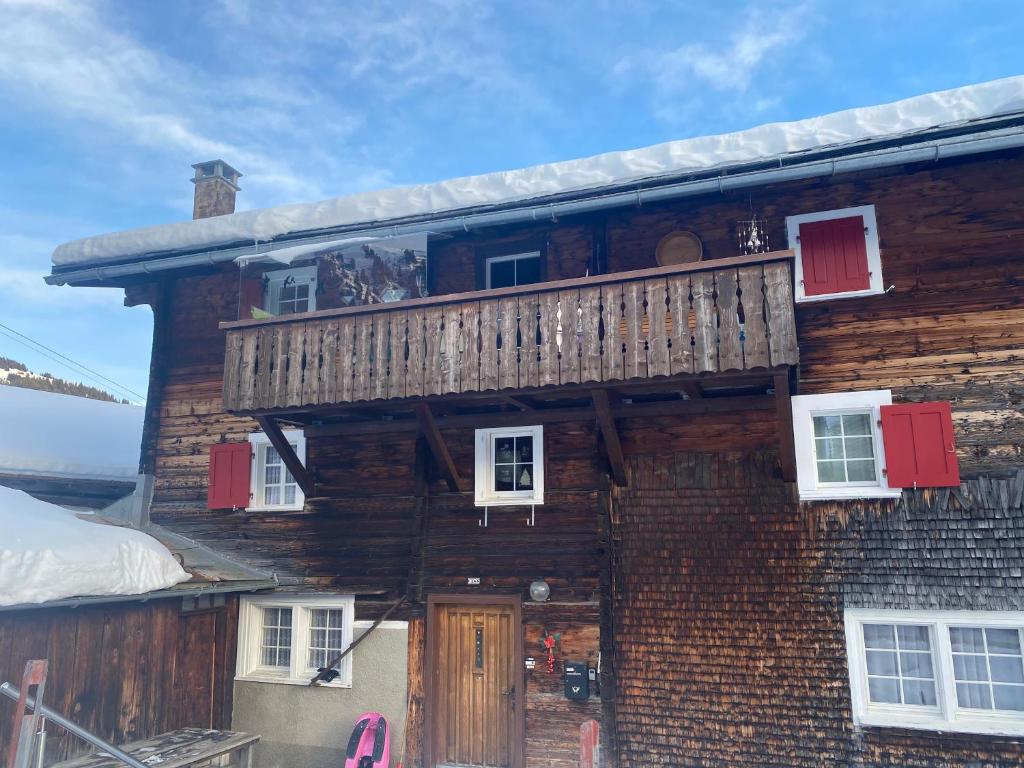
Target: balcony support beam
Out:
[438,447]
[273,431]
[784,413]
[610,435]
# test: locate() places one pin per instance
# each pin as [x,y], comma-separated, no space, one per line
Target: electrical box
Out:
[577,686]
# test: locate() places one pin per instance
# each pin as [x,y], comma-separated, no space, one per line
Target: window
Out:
[291,290]
[286,639]
[272,485]
[510,466]
[837,253]
[839,445]
[513,269]
[941,670]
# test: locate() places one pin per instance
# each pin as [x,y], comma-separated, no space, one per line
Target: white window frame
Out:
[276,279]
[509,257]
[485,496]
[805,407]
[947,715]
[874,254]
[250,624]
[259,442]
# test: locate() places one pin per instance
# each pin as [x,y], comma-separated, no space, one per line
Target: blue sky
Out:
[106,104]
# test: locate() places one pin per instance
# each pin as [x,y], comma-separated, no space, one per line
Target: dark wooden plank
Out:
[610,435]
[755,344]
[273,431]
[438,447]
[784,414]
[703,324]
[590,329]
[658,332]
[778,288]
[730,350]
[681,357]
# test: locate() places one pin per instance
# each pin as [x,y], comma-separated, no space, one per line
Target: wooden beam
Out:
[549,416]
[784,412]
[692,389]
[610,433]
[518,402]
[438,447]
[273,431]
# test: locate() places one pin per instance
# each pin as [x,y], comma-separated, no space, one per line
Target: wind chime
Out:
[752,235]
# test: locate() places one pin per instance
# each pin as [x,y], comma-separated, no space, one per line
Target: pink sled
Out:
[369,746]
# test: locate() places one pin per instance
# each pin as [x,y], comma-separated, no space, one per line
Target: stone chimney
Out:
[216,184]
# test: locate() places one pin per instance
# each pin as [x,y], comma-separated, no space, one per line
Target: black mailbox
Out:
[577,686]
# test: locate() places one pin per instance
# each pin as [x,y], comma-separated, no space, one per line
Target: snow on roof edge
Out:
[907,116]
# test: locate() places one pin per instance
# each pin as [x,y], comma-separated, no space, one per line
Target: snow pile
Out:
[766,141]
[48,553]
[46,433]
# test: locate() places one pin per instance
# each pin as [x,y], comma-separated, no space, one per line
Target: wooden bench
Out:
[177,749]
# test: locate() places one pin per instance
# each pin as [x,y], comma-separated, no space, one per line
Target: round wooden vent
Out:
[680,247]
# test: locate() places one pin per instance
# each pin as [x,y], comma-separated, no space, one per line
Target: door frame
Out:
[435,599]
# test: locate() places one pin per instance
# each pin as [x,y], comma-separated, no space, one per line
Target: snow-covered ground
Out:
[46,433]
[702,153]
[48,553]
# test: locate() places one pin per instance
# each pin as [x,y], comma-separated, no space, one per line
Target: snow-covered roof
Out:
[53,435]
[48,553]
[592,173]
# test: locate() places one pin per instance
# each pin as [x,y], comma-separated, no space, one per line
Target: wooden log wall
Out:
[125,670]
[715,320]
[950,329]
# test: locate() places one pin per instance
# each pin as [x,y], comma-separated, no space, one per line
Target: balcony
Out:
[694,321]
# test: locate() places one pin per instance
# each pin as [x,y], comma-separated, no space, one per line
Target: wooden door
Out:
[475,675]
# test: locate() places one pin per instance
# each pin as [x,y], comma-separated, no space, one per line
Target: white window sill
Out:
[284,680]
[801,299]
[994,726]
[846,494]
[513,502]
[274,509]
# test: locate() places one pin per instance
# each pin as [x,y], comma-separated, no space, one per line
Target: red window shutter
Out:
[919,447]
[252,296]
[228,481]
[834,256]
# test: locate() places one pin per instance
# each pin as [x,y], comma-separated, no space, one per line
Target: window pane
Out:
[882,663]
[504,451]
[920,693]
[830,448]
[860,448]
[504,477]
[324,644]
[916,664]
[914,638]
[524,477]
[503,273]
[831,472]
[880,636]
[289,494]
[271,495]
[272,456]
[1006,669]
[528,270]
[1003,641]
[857,424]
[524,448]
[970,667]
[973,696]
[828,426]
[883,690]
[967,639]
[1009,697]
[860,471]
[272,475]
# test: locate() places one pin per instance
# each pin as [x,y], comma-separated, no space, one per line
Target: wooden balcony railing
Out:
[727,315]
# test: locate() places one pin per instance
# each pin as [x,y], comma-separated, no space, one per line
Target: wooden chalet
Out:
[726,460]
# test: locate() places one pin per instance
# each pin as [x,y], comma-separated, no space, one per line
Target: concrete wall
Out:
[310,727]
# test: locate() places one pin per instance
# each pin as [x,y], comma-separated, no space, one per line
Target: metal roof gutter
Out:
[927,151]
[181,591]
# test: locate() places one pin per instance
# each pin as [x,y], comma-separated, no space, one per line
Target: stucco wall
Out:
[310,727]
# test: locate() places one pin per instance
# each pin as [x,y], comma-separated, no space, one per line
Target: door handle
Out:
[511,694]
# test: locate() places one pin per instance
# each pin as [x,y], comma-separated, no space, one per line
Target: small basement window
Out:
[510,466]
[286,639]
[839,445]
[513,269]
[272,486]
[938,670]
[289,291]
[837,253]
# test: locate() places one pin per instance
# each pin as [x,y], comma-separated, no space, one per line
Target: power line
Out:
[67,360]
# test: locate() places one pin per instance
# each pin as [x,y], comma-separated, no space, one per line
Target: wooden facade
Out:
[124,670]
[712,598]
